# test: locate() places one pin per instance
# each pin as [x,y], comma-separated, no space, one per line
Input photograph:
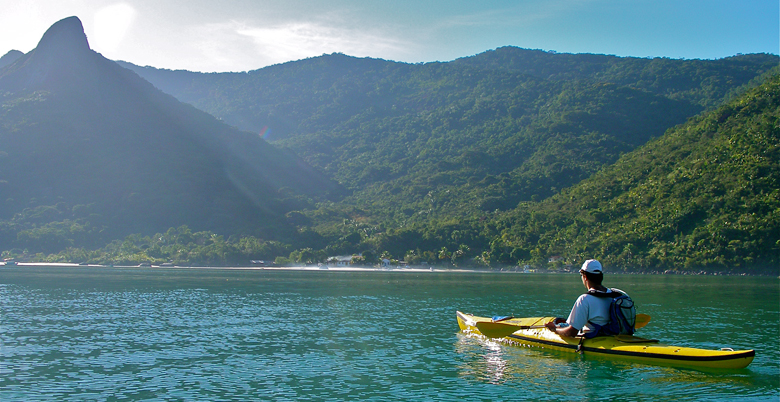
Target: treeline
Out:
[178,246]
[183,247]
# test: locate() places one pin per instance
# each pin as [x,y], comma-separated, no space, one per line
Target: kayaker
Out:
[587,308]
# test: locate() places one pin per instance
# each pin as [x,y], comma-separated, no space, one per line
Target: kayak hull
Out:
[625,347]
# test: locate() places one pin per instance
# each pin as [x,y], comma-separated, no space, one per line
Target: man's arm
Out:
[567,331]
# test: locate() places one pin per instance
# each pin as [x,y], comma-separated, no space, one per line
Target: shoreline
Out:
[430,269]
[254,268]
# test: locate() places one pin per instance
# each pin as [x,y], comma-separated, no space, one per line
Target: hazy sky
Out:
[240,35]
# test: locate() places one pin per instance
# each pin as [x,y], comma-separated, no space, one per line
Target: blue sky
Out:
[241,35]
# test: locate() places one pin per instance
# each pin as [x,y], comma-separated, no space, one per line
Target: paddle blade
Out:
[501,329]
[641,320]
[496,329]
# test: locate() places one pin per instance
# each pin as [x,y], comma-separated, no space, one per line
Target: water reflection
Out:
[497,363]
[581,377]
[494,363]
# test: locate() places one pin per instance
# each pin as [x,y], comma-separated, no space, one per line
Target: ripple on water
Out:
[322,337]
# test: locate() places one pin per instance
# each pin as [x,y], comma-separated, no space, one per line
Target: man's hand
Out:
[568,331]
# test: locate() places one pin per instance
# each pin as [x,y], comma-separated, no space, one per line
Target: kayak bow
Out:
[531,332]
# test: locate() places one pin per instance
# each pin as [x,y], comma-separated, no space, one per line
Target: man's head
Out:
[593,272]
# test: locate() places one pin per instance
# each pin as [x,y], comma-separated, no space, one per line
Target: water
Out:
[75,334]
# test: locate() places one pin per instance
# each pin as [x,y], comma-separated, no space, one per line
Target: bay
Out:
[84,333]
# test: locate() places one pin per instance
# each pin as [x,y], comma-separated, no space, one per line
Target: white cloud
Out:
[290,41]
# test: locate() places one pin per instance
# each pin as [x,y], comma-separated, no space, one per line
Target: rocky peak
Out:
[62,56]
[65,36]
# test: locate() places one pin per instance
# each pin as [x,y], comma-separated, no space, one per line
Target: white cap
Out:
[591,267]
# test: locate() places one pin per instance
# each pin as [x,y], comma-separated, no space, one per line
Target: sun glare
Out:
[111,25]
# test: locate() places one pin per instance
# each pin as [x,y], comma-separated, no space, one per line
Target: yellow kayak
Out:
[531,332]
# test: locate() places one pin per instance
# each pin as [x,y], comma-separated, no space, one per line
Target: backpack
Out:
[622,315]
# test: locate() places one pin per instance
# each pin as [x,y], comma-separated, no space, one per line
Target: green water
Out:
[74,334]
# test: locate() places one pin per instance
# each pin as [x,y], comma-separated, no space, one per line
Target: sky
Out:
[243,35]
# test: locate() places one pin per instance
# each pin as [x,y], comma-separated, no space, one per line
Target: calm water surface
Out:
[74,334]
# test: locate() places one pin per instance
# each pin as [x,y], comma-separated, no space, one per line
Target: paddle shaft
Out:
[500,329]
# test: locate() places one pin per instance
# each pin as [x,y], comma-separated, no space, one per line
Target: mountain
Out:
[706,195]
[436,153]
[284,97]
[466,162]
[520,113]
[700,82]
[91,152]
[10,57]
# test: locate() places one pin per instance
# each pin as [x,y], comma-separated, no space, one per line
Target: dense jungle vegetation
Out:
[705,195]
[508,158]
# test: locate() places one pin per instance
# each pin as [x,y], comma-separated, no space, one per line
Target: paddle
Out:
[502,329]
[641,320]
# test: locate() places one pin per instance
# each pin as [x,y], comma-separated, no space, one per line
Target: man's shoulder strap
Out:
[613,293]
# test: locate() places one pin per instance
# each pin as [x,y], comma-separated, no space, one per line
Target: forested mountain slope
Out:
[452,162]
[704,196]
[284,97]
[476,135]
[90,152]
[699,82]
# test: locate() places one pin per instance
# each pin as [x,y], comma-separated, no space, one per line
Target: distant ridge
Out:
[96,144]
[10,57]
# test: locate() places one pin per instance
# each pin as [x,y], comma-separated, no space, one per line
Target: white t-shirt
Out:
[589,308]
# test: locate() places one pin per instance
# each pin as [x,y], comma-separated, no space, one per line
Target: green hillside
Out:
[704,196]
[438,154]
[466,163]
[91,153]
[498,128]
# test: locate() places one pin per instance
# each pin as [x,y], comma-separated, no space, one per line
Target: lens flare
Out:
[265,133]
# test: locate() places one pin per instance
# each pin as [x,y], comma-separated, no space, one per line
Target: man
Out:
[588,309]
